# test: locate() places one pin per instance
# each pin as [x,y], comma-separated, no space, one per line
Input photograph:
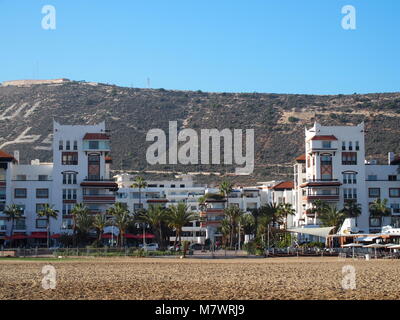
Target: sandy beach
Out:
[150,278]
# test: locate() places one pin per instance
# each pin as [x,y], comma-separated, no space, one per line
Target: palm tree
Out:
[121,218]
[319,207]
[178,216]
[379,209]
[140,184]
[225,229]
[79,209]
[331,217]
[155,216]
[271,209]
[233,214]
[352,209]
[284,210]
[13,213]
[48,212]
[247,224]
[83,221]
[226,188]
[99,223]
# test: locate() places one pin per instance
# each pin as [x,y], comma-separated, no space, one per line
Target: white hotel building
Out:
[334,169]
[79,173]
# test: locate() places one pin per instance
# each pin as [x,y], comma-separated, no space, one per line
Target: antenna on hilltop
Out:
[148,83]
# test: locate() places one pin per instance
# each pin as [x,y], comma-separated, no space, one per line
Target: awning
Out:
[17,237]
[367,239]
[139,236]
[318,232]
[108,236]
[55,236]
[38,235]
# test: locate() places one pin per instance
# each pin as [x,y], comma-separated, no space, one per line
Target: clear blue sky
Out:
[281,46]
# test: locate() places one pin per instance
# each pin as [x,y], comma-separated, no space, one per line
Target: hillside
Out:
[26,115]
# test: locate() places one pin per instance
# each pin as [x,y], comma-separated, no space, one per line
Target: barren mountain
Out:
[27,111]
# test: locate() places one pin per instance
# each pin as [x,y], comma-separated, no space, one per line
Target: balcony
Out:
[321,183]
[99,198]
[321,197]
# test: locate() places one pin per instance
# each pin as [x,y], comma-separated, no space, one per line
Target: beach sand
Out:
[171,278]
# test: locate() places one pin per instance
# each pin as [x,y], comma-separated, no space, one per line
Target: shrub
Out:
[293,119]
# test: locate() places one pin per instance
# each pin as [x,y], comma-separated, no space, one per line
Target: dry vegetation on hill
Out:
[278,120]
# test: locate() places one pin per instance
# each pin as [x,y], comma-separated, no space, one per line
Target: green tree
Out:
[100,221]
[78,211]
[155,216]
[284,210]
[83,223]
[140,184]
[233,214]
[352,209]
[178,216]
[48,212]
[379,209]
[226,188]
[332,217]
[318,208]
[121,219]
[13,213]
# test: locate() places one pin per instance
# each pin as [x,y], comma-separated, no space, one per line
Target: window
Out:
[69,158]
[68,145]
[42,193]
[395,207]
[392,177]
[21,208]
[349,158]
[67,208]
[67,224]
[43,177]
[374,192]
[21,177]
[343,145]
[349,178]
[395,222]
[357,145]
[161,186]
[326,160]
[41,223]
[172,186]
[60,145]
[75,145]
[94,145]
[20,193]
[19,224]
[182,186]
[39,207]
[350,145]
[326,144]
[137,206]
[372,177]
[2,193]
[394,192]
[69,177]
[3,225]
[374,222]
[69,194]
[350,194]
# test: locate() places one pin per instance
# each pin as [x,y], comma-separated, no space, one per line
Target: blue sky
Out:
[285,46]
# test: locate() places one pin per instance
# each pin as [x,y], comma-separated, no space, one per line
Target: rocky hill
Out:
[26,114]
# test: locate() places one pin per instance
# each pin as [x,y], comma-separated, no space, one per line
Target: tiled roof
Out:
[301,158]
[96,136]
[4,155]
[284,185]
[331,137]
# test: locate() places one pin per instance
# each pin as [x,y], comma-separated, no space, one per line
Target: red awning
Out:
[139,236]
[108,236]
[17,237]
[38,235]
[55,236]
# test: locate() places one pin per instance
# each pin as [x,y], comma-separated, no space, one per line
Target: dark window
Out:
[94,145]
[41,223]
[60,145]
[357,145]
[43,177]
[343,145]
[42,193]
[392,178]
[349,158]
[374,192]
[375,222]
[69,158]
[39,207]
[182,185]
[20,193]
[326,144]
[394,192]
[68,145]
[75,145]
